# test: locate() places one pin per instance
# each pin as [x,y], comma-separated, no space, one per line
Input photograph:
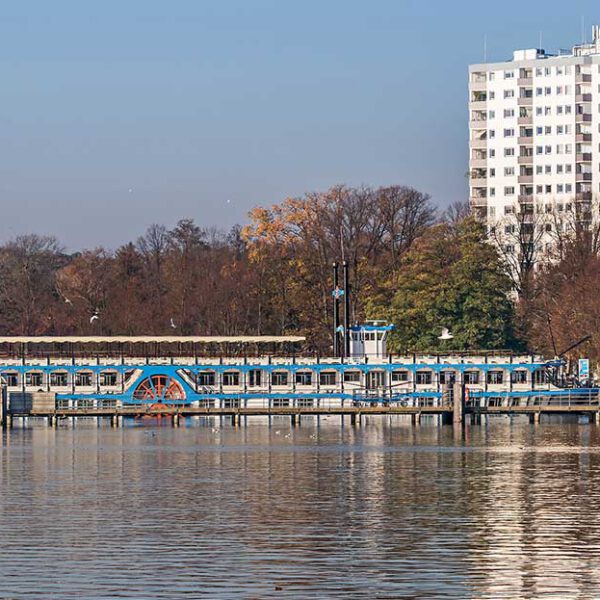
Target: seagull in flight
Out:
[172,324]
[446,335]
[94,317]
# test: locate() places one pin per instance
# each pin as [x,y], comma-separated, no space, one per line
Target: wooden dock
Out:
[447,413]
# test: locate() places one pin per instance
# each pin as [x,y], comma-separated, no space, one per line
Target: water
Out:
[384,511]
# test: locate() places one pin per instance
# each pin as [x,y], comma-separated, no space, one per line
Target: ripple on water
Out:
[384,511]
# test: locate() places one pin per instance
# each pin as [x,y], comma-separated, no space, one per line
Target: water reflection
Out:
[506,510]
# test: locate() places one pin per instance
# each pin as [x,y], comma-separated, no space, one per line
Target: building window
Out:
[495,377]
[327,378]
[34,379]
[508,171]
[471,377]
[83,379]
[399,376]
[424,377]
[205,378]
[279,378]
[231,378]
[59,379]
[11,379]
[509,191]
[304,377]
[108,378]
[351,376]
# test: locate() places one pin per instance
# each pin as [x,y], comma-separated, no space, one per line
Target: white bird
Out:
[278,432]
[67,301]
[214,430]
[446,335]
[94,317]
[172,323]
[289,435]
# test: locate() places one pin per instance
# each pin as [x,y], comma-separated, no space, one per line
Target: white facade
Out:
[534,136]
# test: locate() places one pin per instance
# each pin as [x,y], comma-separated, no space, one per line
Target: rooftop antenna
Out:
[582,29]
[485,47]
[540,46]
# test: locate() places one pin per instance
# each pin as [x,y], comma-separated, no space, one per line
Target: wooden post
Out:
[415,419]
[534,418]
[176,420]
[458,403]
[4,417]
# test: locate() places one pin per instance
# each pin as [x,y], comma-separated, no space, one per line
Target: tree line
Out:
[410,264]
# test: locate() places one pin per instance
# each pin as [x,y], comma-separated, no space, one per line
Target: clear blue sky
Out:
[117,114]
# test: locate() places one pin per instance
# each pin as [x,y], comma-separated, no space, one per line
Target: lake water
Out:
[505,510]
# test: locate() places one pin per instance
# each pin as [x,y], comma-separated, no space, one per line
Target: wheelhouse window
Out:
[327,377]
[472,377]
[205,378]
[495,377]
[231,378]
[351,376]
[34,378]
[304,377]
[519,376]
[279,378]
[399,376]
[59,379]
[424,377]
[83,379]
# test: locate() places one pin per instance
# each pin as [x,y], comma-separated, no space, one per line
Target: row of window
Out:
[329,378]
[539,72]
[559,188]
[539,170]
[61,379]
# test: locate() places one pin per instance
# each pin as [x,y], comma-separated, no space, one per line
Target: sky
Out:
[122,113]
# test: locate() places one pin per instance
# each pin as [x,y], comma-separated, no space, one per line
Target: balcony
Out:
[583,98]
[478,143]
[525,81]
[478,83]
[583,157]
[583,197]
[478,104]
[583,78]
[583,118]
[478,163]
[525,159]
[526,178]
[582,177]
[525,100]
[583,137]
[525,120]
[476,201]
[526,199]
[478,123]
[525,140]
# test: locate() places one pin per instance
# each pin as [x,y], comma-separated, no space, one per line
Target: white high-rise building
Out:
[534,143]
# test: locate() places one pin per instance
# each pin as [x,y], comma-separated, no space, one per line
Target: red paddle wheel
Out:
[158,390]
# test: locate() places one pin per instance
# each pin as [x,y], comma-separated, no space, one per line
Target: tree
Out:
[452,277]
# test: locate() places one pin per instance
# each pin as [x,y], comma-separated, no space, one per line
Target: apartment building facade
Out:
[534,140]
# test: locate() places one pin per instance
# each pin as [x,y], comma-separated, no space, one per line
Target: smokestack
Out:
[346,310]
[336,312]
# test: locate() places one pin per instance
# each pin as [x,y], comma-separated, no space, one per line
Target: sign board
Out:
[584,368]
